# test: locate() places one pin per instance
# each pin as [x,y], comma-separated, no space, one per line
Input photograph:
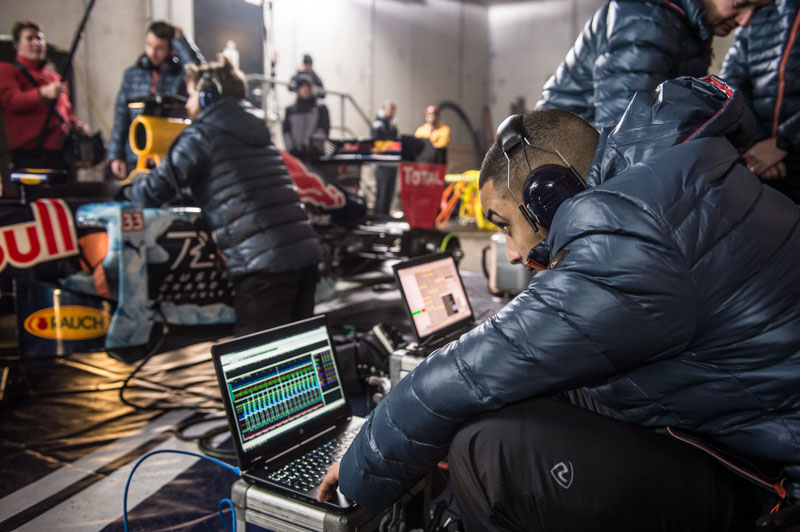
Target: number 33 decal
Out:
[132,221]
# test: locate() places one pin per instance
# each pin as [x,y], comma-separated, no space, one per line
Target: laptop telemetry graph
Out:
[434,294]
[280,385]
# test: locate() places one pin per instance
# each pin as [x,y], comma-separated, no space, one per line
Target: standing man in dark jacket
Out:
[668,310]
[225,163]
[306,71]
[385,128]
[764,64]
[631,45]
[306,124]
[159,70]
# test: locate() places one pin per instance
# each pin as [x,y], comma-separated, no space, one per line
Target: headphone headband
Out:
[546,187]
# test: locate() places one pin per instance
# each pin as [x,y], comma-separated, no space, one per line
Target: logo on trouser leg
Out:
[562,472]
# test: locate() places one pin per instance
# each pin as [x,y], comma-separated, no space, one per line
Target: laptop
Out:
[435,299]
[288,413]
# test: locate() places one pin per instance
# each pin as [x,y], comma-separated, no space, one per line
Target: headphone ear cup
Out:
[205,99]
[546,189]
[173,65]
[209,90]
[528,198]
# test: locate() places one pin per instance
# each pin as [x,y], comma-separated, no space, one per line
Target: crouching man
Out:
[654,356]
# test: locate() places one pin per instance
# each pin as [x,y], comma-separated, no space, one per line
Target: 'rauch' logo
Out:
[69,322]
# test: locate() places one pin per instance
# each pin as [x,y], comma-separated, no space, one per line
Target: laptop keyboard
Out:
[307,471]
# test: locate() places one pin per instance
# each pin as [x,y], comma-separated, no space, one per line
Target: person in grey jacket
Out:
[631,45]
[225,163]
[306,124]
[658,348]
[159,70]
[764,64]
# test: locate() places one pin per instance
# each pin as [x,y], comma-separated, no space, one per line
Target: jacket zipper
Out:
[776,488]
[782,73]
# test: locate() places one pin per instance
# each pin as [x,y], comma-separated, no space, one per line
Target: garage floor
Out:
[68,443]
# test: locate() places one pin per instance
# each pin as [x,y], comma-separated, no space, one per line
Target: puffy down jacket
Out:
[226,164]
[627,46]
[676,305]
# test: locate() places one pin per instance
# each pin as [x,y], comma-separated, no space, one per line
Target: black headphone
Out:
[171,65]
[209,90]
[545,188]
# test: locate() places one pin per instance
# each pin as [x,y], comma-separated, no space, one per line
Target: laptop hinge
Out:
[304,442]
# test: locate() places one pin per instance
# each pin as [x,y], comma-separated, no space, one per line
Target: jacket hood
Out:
[677,111]
[695,13]
[237,117]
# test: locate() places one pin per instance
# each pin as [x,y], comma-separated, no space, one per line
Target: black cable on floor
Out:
[180,429]
[204,443]
[147,357]
[204,440]
[161,405]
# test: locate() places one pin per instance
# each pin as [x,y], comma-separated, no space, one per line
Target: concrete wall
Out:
[415,53]
[528,41]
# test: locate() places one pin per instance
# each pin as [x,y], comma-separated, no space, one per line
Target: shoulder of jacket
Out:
[625,13]
[135,70]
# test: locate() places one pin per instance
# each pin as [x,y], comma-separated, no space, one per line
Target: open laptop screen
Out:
[434,294]
[279,381]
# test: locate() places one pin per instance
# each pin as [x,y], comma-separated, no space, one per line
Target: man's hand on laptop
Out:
[327,489]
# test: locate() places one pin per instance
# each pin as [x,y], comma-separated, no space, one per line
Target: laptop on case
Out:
[435,299]
[288,413]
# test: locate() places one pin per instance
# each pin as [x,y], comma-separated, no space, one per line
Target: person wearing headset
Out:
[159,70]
[647,378]
[226,164]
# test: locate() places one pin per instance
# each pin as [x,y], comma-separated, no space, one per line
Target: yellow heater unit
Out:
[151,137]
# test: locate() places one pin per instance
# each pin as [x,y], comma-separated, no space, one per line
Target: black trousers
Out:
[546,464]
[266,300]
[385,179]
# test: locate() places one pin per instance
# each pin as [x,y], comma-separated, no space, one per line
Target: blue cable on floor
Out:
[235,470]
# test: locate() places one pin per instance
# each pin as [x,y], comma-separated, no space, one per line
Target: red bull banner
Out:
[421,187]
[50,236]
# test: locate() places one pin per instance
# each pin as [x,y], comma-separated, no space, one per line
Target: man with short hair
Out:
[306,71]
[630,46]
[653,358]
[225,163]
[159,70]
[437,132]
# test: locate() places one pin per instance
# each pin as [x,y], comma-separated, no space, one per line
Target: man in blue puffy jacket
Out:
[764,64]
[654,358]
[632,45]
[159,70]
[226,164]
